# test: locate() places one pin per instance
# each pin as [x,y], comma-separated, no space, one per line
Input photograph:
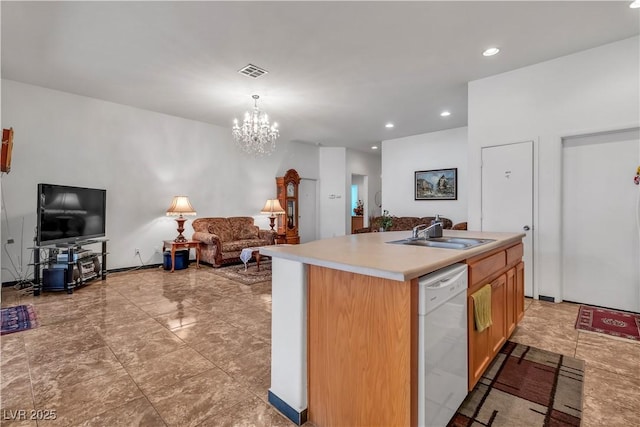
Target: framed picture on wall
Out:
[437,184]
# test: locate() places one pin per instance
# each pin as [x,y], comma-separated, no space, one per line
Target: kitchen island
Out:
[345,322]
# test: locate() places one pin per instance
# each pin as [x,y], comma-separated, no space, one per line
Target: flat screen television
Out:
[68,214]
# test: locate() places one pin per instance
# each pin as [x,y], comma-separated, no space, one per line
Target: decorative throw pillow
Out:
[222,230]
[248,232]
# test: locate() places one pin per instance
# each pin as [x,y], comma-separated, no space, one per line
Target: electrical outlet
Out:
[10,240]
[137,252]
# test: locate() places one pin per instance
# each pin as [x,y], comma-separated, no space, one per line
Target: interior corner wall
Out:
[303,158]
[592,91]
[402,157]
[142,158]
[334,191]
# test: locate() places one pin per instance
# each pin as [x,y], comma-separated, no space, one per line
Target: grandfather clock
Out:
[288,198]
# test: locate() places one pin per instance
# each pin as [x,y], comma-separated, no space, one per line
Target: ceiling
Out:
[338,71]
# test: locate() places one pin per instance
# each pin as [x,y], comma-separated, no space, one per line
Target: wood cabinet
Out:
[519,291]
[487,344]
[498,328]
[362,349]
[504,270]
[515,297]
[511,318]
[356,223]
[479,354]
[287,190]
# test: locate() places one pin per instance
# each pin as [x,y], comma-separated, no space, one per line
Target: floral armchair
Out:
[224,238]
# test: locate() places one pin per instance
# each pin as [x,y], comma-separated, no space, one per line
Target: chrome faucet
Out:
[415,231]
[434,230]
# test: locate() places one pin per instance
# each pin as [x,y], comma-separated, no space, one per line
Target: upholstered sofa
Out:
[401,223]
[224,238]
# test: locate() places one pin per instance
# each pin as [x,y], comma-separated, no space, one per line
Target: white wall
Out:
[304,157]
[402,157]
[590,91]
[337,165]
[334,193]
[141,157]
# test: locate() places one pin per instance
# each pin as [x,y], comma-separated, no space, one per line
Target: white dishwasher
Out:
[442,344]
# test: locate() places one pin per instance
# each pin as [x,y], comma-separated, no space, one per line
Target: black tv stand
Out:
[73,264]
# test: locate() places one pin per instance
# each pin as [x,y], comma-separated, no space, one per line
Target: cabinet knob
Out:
[526,228]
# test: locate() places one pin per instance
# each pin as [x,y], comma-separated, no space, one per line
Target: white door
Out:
[600,228]
[307,220]
[507,196]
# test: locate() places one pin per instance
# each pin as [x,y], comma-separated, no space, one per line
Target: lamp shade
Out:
[180,206]
[272,207]
[67,202]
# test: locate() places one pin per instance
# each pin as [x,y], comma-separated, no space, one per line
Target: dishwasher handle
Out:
[442,283]
[437,288]
[446,281]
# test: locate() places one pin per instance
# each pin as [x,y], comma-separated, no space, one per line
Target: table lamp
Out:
[273,208]
[180,206]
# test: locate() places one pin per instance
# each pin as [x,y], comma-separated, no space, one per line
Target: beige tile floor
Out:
[612,366]
[191,348]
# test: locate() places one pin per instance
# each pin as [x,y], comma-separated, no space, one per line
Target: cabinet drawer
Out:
[515,253]
[485,267]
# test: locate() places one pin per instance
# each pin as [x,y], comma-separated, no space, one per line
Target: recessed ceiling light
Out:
[389,125]
[635,4]
[374,147]
[491,51]
[445,114]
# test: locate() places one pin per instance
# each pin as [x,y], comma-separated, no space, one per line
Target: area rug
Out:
[249,276]
[18,318]
[619,324]
[525,386]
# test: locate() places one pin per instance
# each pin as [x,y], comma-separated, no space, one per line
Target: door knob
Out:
[526,228]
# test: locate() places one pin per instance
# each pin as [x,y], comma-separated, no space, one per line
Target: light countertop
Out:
[369,254]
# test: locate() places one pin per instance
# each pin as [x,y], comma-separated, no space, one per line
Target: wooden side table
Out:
[181,245]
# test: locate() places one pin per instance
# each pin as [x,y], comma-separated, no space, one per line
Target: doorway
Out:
[359,193]
[507,196]
[600,234]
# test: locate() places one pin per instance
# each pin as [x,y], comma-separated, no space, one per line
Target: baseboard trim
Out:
[115,270]
[297,417]
[141,267]
[14,282]
[546,298]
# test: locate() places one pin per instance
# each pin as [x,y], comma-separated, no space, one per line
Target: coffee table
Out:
[248,253]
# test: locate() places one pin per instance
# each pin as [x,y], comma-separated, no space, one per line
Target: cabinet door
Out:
[498,329]
[356,223]
[511,301]
[479,351]
[519,297]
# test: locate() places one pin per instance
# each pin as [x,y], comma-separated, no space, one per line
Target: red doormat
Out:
[611,322]
[18,318]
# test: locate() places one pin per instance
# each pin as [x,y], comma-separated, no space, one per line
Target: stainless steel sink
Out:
[444,242]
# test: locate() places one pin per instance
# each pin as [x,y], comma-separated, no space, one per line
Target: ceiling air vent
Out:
[252,71]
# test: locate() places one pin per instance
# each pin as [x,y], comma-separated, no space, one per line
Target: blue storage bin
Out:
[182,259]
[53,279]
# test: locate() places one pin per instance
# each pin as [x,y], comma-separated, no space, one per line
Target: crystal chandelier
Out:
[255,136]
